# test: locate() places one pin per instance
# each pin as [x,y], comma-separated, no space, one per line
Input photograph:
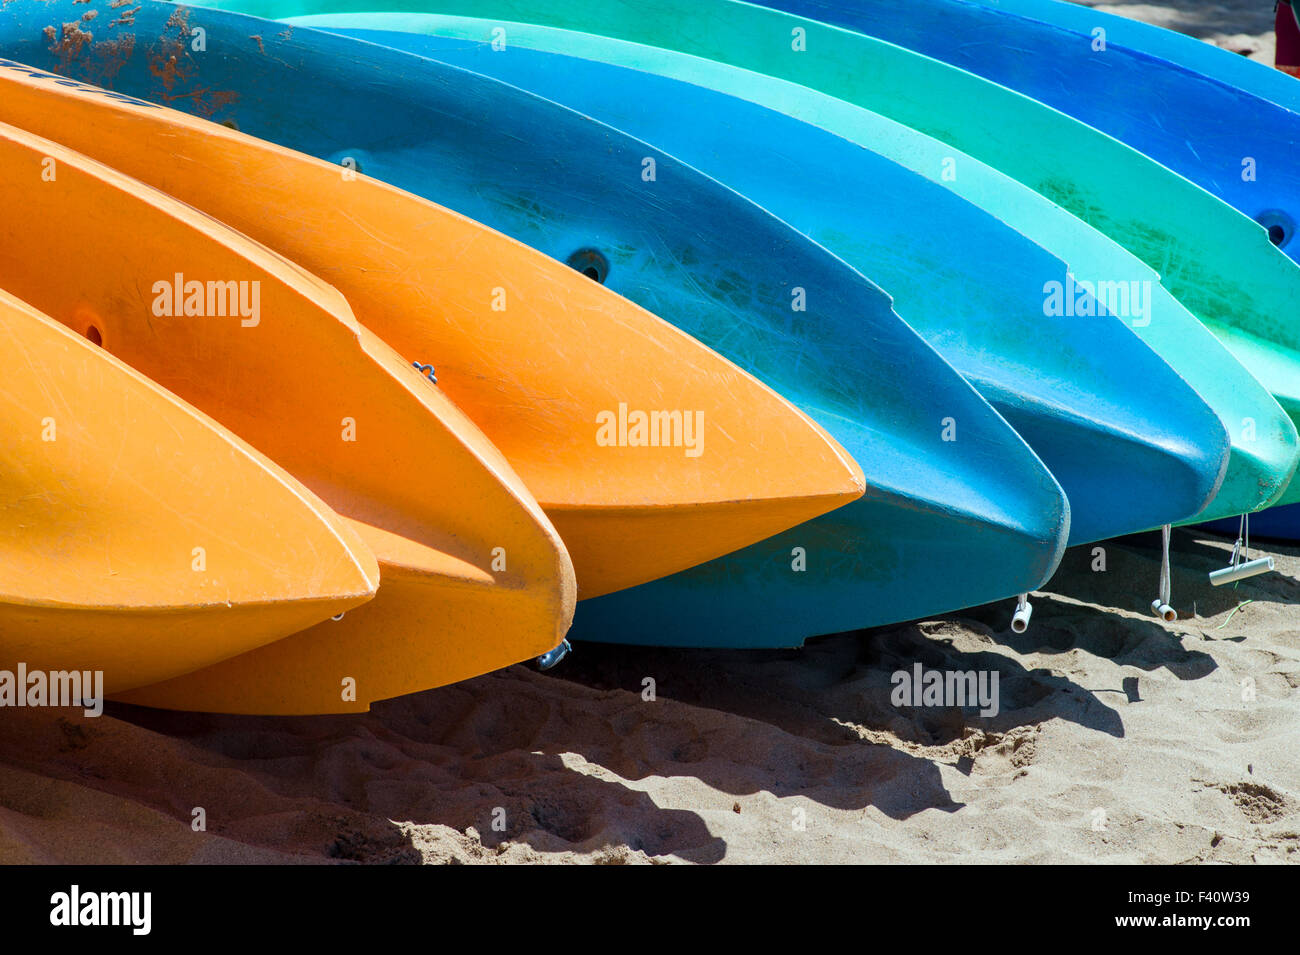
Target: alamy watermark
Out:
[130,909]
[1128,300]
[945,688]
[651,429]
[53,688]
[177,298]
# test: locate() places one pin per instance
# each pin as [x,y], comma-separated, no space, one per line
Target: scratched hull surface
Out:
[1217,262]
[1199,124]
[138,537]
[530,349]
[1159,45]
[288,369]
[1264,444]
[1076,388]
[706,259]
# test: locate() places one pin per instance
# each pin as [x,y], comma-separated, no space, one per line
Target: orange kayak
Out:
[542,359]
[138,537]
[473,576]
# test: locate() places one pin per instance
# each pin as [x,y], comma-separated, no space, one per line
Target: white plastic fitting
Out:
[1252,568]
[1162,610]
[1020,619]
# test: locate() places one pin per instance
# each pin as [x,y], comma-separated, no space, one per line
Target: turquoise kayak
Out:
[958,510]
[1219,263]
[1077,387]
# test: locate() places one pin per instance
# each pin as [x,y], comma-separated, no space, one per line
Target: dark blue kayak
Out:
[958,510]
[1276,523]
[1078,389]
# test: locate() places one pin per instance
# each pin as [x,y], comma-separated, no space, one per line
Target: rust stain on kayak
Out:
[171,65]
[80,56]
[98,63]
[68,42]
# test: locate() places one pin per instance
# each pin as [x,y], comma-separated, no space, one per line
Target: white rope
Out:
[1165,585]
[1162,605]
[1241,566]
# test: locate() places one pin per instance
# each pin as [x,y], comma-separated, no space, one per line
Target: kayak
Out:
[948,483]
[1204,122]
[1157,45]
[1264,445]
[531,350]
[1277,523]
[1076,388]
[1222,121]
[276,356]
[1217,262]
[139,538]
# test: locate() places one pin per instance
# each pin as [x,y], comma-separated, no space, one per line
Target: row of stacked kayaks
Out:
[358,354]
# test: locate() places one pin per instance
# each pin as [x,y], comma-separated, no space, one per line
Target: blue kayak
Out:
[958,510]
[1229,125]
[1077,389]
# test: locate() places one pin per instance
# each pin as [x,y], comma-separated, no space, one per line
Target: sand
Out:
[1120,738]
[1243,26]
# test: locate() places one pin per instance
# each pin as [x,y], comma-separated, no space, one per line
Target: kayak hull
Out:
[1077,389]
[690,250]
[139,538]
[531,350]
[764,597]
[1218,263]
[1203,126]
[1277,523]
[430,497]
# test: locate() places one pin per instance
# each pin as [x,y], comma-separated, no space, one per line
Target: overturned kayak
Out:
[947,480]
[1076,384]
[276,356]
[1277,523]
[138,537]
[1217,262]
[1264,445]
[533,351]
[1203,112]
[1229,125]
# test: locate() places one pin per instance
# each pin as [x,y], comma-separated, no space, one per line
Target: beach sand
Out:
[1120,738]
